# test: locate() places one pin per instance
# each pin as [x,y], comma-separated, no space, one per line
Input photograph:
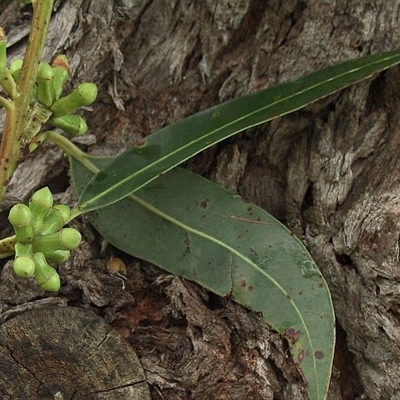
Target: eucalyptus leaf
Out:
[193,228]
[176,143]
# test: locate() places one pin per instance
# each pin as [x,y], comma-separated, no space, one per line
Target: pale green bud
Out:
[24,267]
[65,239]
[84,95]
[21,217]
[46,276]
[40,205]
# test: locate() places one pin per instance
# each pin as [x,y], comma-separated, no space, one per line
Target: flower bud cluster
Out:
[41,238]
[54,109]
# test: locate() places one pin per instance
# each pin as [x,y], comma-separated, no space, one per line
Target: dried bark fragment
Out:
[69,353]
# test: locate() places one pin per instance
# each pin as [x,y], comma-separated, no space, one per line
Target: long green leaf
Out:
[176,143]
[193,228]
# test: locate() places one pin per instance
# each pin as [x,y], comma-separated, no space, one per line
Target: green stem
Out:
[41,18]
[7,104]
[73,151]
[12,140]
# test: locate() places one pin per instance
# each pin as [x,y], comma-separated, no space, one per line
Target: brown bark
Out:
[328,172]
[43,357]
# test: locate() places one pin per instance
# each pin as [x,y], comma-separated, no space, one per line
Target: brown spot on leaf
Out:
[292,335]
[242,283]
[142,142]
[205,203]
[319,355]
[301,356]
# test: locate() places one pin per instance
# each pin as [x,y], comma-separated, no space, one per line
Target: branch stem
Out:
[12,142]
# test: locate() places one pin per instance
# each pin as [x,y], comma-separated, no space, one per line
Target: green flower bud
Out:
[70,238]
[40,205]
[84,95]
[55,219]
[23,250]
[15,68]
[64,210]
[20,217]
[65,239]
[46,276]
[43,197]
[24,267]
[62,72]
[45,91]
[72,124]
[58,256]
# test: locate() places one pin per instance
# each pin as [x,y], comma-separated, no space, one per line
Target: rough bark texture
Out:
[329,172]
[83,359]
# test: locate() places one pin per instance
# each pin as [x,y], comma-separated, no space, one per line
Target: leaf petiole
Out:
[73,151]
[7,104]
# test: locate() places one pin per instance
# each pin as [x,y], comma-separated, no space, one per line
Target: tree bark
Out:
[83,359]
[328,172]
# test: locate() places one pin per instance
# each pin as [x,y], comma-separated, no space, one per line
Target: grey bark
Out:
[329,172]
[84,359]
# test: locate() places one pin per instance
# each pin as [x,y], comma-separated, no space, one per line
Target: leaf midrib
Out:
[85,207]
[187,228]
